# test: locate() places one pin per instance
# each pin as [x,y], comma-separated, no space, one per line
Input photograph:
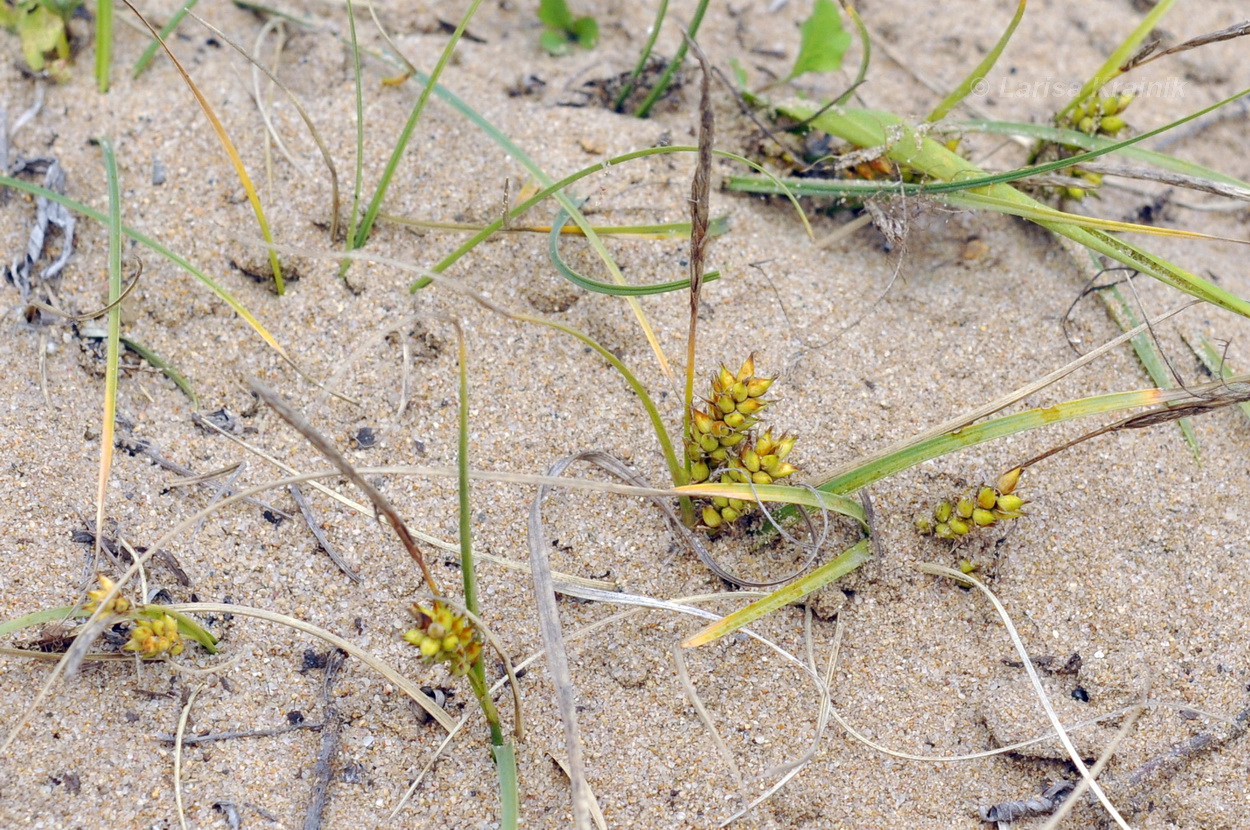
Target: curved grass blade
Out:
[90,212]
[228,146]
[841,565]
[554,190]
[553,248]
[719,226]
[158,362]
[865,55]
[166,31]
[114,336]
[978,75]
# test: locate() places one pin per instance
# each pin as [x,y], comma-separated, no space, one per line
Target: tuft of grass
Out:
[564,30]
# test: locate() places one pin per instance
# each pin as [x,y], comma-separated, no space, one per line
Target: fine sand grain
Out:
[1133,556]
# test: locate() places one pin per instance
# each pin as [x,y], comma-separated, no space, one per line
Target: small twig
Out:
[1166,765]
[1147,53]
[330,735]
[188,740]
[311,520]
[137,446]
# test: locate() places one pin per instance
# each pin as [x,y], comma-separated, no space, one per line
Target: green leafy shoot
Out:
[823,41]
[564,30]
[41,28]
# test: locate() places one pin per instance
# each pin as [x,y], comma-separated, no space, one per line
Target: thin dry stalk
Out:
[323,445]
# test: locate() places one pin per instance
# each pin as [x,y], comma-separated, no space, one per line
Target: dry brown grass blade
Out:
[227,146]
[323,445]
[1147,53]
[182,728]
[303,114]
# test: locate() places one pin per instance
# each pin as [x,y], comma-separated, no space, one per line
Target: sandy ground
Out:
[1133,555]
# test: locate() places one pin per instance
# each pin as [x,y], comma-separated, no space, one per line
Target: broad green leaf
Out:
[823,41]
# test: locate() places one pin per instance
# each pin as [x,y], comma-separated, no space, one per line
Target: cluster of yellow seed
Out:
[444,636]
[155,638]
[117,605]
[1095,116]
[951,521]
[1100,116]
[722,445]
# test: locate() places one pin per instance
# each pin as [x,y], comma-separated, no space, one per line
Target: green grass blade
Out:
[1147,351]
[187,626]
[91,213]
[852,478]
[1076,138]
[509,799]
[978,75]
[865,55]
[841,565]
[780,494]
[114,335]
[401,144]
[43,617]
[666,78]
[628,87]
[168,369]
[554,190]
[359,182]
[553,248]
[1111,68]
[103,43]
[166,30]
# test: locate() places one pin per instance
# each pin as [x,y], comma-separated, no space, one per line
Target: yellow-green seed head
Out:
[1007,481]
[761,478]
[966,566]
[720,501]
[943,531]
[1109,105]
[726,404]
[1112,124]
[964,508]
[699,472]
[1075,193]
[750,460]
[117,605]
[734,440]
[751,405]
[982,517]
[943,512]
[735,420]
[1126,98]
[758,386]
[730,515]
[723,380]
[702,422]
[1010,503]
[782,470]
[737,504]
[986,498]
[924,525]
[747,369]
[1087,125]
[712,516]
[959,526]
[785,445]
[738,392]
